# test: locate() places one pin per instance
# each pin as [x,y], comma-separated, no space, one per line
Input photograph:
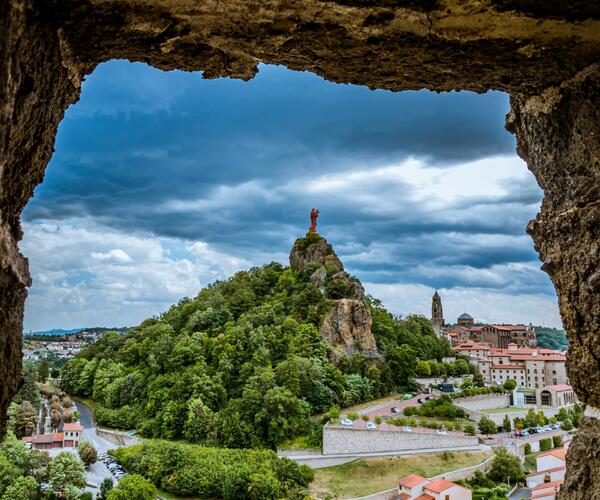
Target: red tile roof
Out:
[439,485]
[564,467]
[543,486]
[411,480]
[72,427]
[509,328]
[560,387]
[403,496]
[424,496]
[560,454]
[42,438]
[58,436]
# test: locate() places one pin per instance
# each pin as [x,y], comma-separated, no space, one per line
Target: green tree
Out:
[506,424]
[23,488]
[545,444]
[199,422]
[557,441]
[505,466]
[133,486]
[65,471]
[423,369]
[478,380]
[527,449]
[566,424]
[25,419]
[487,426]
[29,390]
[469,429]
[105,486]
[87,453]
[43,370]
[509,385]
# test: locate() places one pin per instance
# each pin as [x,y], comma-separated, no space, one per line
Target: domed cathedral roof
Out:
[465,316]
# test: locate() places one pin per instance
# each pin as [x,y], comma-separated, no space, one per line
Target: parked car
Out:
[555,426]
[442,431]
[420,401]
[347,421]
[406,429]
[394,409]
[524,433]
[371,426]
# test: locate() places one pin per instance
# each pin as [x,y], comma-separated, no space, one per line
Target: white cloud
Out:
[85,274]
[116,255]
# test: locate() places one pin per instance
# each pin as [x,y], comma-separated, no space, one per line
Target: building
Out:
[68,438]
[530,367]
[465,330]
[545,483]
[415,487]
[437,313]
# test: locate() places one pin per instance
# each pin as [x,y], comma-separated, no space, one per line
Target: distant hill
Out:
[551,338]
[61,332]
[55,331]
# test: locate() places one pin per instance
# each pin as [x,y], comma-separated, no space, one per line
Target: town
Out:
[498,405]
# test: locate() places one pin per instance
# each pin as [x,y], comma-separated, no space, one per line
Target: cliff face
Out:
[347,323]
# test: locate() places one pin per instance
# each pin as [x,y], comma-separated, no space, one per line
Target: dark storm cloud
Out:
[231,163]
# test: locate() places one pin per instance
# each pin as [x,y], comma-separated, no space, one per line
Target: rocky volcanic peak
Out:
[347,322]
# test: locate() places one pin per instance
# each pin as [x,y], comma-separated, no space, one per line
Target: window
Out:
[447,497]
[553,372]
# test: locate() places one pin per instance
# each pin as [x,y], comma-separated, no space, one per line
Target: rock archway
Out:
[545,53]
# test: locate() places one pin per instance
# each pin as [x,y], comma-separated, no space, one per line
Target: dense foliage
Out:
[440,407]
[192,470]
[551,338]
[242,364]
[23,471]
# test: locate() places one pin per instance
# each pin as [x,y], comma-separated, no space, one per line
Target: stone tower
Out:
[437,313]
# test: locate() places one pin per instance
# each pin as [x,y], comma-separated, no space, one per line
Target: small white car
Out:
[371,426]
[442,431]
[347,421]
[406,429]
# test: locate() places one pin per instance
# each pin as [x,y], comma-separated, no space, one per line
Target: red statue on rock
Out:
[314,213]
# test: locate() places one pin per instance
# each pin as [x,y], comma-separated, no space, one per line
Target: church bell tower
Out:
[437,313]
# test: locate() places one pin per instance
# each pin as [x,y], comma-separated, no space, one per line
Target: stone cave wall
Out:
[544,53]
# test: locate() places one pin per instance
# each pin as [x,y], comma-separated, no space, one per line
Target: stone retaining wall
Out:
[340,440]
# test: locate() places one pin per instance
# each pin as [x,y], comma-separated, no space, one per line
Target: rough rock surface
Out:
[347,323]
[525,47]
[558,134]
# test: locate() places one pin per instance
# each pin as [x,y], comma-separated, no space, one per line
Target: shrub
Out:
[353,415]
[527,449]
[378,420]
[557,441]
[504,466]
[487,426]
[334,412]
[469,429]
[545,444]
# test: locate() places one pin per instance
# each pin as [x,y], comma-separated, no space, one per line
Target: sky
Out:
[163,182]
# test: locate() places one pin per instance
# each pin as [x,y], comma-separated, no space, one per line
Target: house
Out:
[546,491]
[551,468]
[415,487]
[73,433]
[69,438]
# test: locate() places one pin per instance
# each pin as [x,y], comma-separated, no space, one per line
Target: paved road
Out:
[97,471]
[85,415]
[520,493]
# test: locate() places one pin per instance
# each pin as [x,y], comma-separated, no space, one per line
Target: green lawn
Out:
[510,409]
[366,476]
[502,410]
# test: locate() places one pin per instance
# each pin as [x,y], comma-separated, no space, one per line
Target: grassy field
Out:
[366,476]
[502,410]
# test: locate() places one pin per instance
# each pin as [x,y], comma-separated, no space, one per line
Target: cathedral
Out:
[465,330]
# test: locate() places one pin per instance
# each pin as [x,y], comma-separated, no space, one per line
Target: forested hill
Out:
[551,338]
[246,362]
